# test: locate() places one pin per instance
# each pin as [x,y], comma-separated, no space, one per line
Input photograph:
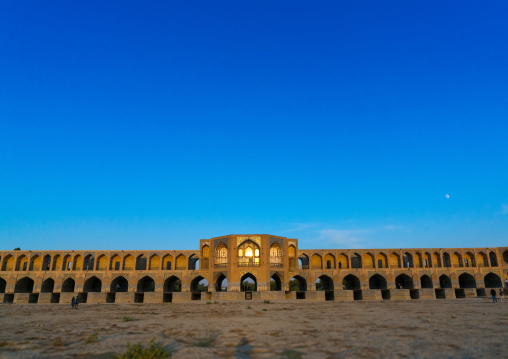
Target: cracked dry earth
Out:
[460,328]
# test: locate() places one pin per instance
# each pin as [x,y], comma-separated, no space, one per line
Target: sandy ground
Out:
[461,328]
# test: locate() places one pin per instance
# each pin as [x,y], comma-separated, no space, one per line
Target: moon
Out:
[447,195]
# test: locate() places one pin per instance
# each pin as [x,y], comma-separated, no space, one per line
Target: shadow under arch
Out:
[298,283]
[248,283]
[325,283]
[172,284]
[119,284]
[377,281]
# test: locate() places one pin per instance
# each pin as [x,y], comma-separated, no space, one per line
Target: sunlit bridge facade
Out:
[250,267]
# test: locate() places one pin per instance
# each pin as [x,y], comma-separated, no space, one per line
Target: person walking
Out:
[501,296]
[77,302]
[493,294]
[73,302]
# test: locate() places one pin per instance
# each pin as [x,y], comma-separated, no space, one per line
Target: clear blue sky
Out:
[151,125]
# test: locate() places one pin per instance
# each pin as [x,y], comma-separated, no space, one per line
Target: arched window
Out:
[248,252]
[240,252]
[221,255]
[275,255]
[256,253]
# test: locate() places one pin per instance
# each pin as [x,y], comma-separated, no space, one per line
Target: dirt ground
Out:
[460,328]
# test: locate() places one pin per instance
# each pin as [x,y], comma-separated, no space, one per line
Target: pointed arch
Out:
[68,285]
[119,284]
[427,260]
[456,260]
[377,281]
[92,284]
[48,286]
[426,281]
[469,260]
[115,263]
[128,262]
[493,259]
[351,282]
[77,262]
[408,260]
[22,263]
[330,261]
[356,261]
[291,251]
[418,260]
[445,281]
[325,283]
[8,263]
[173,284]
[146,284]
[394,260]
[181,262]
[155,262]
[343,261]
[141,262]
[102,262]
[221,255]
[446,260]
[246,284]
[436,260]
[481,260]
[275,255]
[381,260]
[219,282]
[24,285]
[3,285]
[199,284]
[88,262]
[316,262]
[492,280]
[167,261]
[466,280]
[67,262]
[35,263]
[403,281]
[275,282]
[298,283]
[205,251]
[368,260]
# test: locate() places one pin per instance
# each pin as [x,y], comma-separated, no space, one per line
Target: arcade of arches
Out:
[240,267]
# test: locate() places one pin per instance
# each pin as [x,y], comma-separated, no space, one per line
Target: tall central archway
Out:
[248,283]
[377,281]
[298,283]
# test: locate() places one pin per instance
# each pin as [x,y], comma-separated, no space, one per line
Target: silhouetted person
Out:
[73,302]
[501,296]
[77,302]
[493,294]
[117,287]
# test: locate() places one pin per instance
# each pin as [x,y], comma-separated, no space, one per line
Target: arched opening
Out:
[173,284]
[467,281]
[8,263]
[141,262]
[316,262]
[492,281]
[324,282]
[446,260]
[88,262]
[482,260]
[394,260]
[275,255]
[427,260]
[493,259]
[181,262]
[115,262]
[381,260]
[248,254]
[166,262]
[102,262]
[377,282]
[469,260]
[408,260]
[418,260]
[3,284]
[67,262]
[403,281]
[330,261]
[445,282]
[356,261]
[457,260]
[193,262]
[221,283]
[248,283]
[24,285]
[351,282]
[47,286]
[92,284]
[77,263]
[199,284]
[221,256]
[343,262]
[128,262]
[275,283]
[119,284]
[303,261]
[426,281]
[22,263]
[205,251]
[146,284]
[436,260]
[68,285]
[368,261]
[35,263]
[298,284]
[292,251]
[155,262]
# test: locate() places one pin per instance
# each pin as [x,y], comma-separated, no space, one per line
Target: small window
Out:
[467,262]
[340,265]
[248,252]
[240,252]
[380,263]
[256,252]
[117,265]
[426,264]
[328,265]
[168,265]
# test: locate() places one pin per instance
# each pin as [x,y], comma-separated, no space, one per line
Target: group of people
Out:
[74,302]
[493,293]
